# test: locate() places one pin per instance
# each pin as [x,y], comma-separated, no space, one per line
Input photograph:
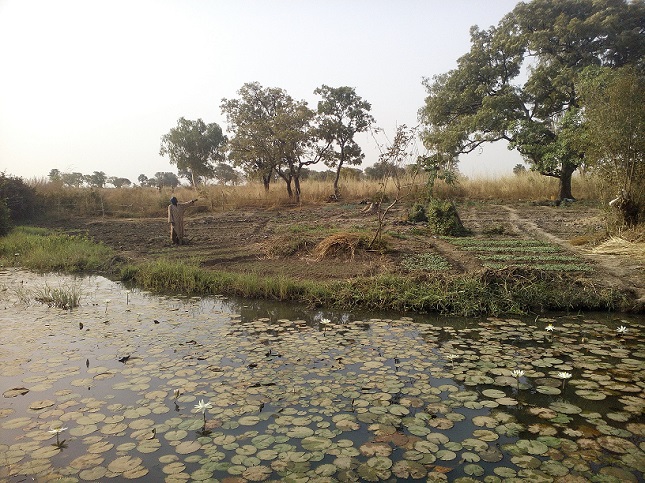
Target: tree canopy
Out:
[193,146]
[613,134]
[342,114]
[549,42]
[272,133]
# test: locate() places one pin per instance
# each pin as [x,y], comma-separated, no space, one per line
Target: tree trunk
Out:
[266,179]
[336,190]
[296,185]
[565,181]
[287,181]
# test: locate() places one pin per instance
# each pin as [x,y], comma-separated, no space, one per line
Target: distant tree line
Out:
[222,174]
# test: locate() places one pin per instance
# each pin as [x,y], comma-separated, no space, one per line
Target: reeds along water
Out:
[150,202]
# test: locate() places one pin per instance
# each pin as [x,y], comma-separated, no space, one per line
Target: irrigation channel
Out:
[131,386]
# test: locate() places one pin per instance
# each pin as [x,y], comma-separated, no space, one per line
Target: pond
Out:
[132,386]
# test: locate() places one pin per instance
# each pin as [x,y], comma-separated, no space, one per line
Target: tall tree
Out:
[551,41]
[271,133]
[342,114]
[166,178]
[72,179]
[613,134]
[249,119]
[193,146]
[55,176]
[225,174]
[97,179]
[118,182]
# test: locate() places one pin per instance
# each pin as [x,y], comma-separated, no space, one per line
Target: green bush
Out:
[20,198]
[5,218]
[444,220]
[417,213]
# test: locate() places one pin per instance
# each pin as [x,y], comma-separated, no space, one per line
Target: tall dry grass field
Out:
[525,187]
[142,202]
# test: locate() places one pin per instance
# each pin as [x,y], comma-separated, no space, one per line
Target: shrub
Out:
[20,198]
[444,220]
[5,219]
[417,213]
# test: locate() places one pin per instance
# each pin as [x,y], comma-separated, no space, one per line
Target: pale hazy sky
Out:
[92,85]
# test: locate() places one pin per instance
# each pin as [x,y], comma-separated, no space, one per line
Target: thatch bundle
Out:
[620,246]
[339,243]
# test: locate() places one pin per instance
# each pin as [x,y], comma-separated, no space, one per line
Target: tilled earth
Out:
[281,241]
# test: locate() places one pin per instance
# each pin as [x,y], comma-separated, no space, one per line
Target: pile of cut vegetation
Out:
[343,243]
[620,246]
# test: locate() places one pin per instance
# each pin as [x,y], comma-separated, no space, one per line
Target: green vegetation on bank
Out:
[43,251]
[491,292]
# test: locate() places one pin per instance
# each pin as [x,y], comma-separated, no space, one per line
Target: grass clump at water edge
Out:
[491,292]
[41,250]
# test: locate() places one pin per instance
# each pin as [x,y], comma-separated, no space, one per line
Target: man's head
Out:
[173,201]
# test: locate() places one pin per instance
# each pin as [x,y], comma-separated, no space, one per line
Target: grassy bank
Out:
[43,251]
[491,292]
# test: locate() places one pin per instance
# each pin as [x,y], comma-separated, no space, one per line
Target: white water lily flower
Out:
[176,393]
[621,330]
[325,321]
[517,373]
[549,328]
[203,406]
[57,430]
[564,375]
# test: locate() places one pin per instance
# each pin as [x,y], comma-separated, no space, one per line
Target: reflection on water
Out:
[296,395]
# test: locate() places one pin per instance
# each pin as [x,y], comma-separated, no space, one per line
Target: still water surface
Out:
[155,388]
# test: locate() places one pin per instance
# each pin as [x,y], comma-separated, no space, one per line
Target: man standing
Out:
[176,219]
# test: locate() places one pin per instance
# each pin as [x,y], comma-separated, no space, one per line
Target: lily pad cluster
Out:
[164,389]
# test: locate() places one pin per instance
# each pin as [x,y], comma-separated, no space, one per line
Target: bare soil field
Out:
[281,242]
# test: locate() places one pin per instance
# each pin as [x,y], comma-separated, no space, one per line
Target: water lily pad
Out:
[409,469]
[493,393]
[316,443]
[473,470]
[42,404]
[550,390]
[616,445]
[257,473]
[446,455]
[565,408]
[187,447]
[249,420]
[93,474]
[124,464]
[16,391]
[532,446]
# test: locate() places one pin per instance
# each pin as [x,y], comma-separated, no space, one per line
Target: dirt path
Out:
[622,272]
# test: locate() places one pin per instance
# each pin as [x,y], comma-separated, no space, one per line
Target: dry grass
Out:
[339,244]
[150,202]
[620,246]
[530,186]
